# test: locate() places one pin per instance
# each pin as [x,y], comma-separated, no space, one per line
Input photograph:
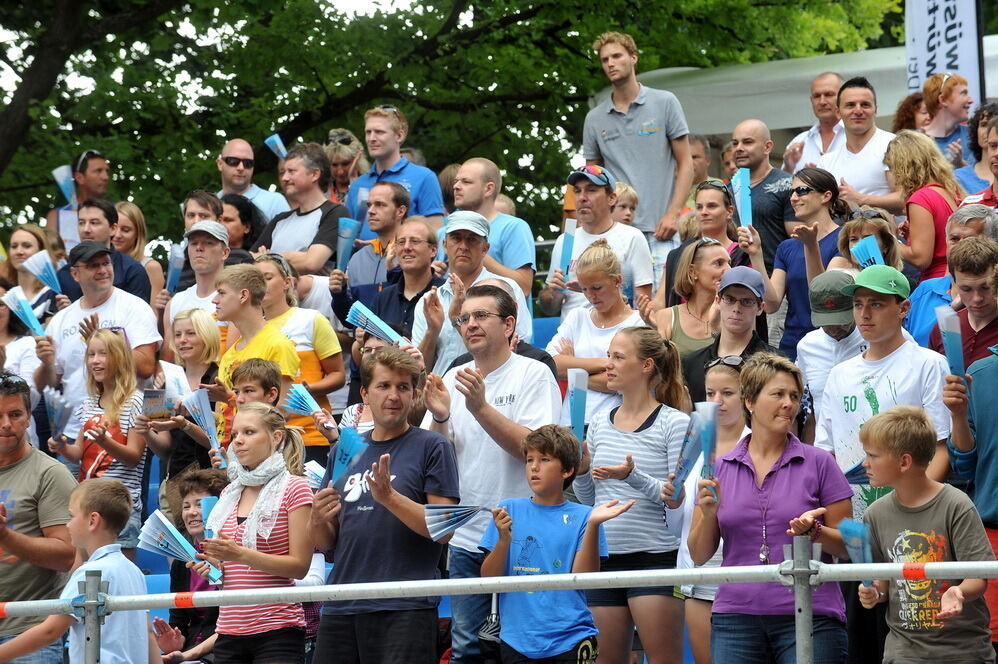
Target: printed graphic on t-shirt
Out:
[355,487]
[853,459]
[918,599]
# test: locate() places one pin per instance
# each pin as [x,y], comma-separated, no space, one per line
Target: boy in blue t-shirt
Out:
[551,536]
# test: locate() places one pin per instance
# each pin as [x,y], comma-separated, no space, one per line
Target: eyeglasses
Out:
[85,156]
[367,350]
[733,361]
[598,171]
[411,241]
[802,190]
[747,302]
[478,314]
[235,161]
[868,213]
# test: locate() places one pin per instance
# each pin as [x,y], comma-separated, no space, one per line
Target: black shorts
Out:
[278,646]
[584,652]
[381,637]
[626,562]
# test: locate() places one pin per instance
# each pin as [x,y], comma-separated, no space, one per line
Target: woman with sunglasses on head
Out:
[698,274]
[584,335]
[866,221]
[978,176]
[714,216]
[346,162]
[722,380]
[755,491]
[633,448]
[315,342]
[814,196]
[129,237]
[921,172]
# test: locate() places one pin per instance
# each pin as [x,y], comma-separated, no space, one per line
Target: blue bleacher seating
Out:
[157,584]
[544,329]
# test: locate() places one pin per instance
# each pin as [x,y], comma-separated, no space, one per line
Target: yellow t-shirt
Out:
[314,341]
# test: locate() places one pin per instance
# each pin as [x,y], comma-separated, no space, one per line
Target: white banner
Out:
[941,36]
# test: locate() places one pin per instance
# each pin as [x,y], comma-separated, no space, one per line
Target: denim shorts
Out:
[626,562]
[128,538]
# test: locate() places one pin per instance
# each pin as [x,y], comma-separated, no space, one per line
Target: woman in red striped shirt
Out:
[262,541]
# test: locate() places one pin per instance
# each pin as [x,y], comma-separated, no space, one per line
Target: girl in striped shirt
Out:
[262,540]
[646,431]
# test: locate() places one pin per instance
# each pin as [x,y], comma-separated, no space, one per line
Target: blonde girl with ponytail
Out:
[632,449]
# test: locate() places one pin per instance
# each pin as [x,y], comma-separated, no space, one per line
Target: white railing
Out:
[801,570]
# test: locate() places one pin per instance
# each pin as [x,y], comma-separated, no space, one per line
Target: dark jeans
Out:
[738,638]
[468,611]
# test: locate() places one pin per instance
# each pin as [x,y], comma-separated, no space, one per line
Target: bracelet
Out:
[187,425]
[440,421]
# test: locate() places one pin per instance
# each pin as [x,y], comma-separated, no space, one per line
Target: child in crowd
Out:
[98,510]
[190,634]
[552,537]
[257,380]
[923,521]
[262,540]
[108,445]
[624,209]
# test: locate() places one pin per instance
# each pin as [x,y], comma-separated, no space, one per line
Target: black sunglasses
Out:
[803,190]
[733,361]
[716,185]
[339,137]
[869,213]
[235,161]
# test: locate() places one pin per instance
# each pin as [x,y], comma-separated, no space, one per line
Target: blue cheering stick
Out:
[362,317]
[707,412]
[856,537]
[198,405]
[741,186]
[688,454]
[175,267]
[301,402]
[41,268]
[867,252]
[348,449]
[22,309]
[207,505]
[949,328]
[276,146]
[578,384]
[160,536]
[346,235]
[64,178]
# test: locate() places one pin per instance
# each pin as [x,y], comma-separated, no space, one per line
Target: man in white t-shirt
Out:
[594,187]
[826,135]
[858,165]
[485,408]
[207,249]
[62,350]
[893,371]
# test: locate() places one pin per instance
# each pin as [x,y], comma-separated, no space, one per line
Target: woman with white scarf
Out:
[261,537]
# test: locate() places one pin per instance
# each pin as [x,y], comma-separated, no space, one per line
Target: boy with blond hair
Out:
[98,510]
[923,521]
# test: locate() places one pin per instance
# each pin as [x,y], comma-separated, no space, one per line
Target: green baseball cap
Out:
[882,279]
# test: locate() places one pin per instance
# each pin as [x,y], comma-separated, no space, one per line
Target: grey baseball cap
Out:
[212,228]
[829,305]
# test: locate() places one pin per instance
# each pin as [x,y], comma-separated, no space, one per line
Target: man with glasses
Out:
[368,271]
[307,234]
[35,549]
[466,244]
[96,221]
[826,135]
[858,164]
[594,191]
[740,301]
[415,249]
[385,128]
[236,164]
[91,176]
[511,244]
[641,135]
[485,408]
[63,347]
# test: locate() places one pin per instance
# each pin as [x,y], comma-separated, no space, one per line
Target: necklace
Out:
[595,318]
[703,323]
[764,548]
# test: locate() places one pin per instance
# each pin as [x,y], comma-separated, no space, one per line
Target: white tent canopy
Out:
[717,99]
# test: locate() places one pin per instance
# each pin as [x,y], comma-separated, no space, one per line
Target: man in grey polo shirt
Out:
[641,135]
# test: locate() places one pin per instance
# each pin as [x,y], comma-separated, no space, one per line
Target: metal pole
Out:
[803,620]
[91,615]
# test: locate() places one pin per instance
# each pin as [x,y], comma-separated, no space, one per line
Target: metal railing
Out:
[801,570]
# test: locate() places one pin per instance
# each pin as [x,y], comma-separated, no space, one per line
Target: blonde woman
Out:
[26,241]
[921,172]
[130,236]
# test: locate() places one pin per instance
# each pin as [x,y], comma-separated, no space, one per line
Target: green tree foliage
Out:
[157,85]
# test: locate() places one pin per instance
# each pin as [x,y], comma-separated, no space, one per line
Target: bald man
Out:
[511,244]
[236,164]
[772,215]
[827,134]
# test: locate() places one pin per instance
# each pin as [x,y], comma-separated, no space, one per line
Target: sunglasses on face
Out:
[235,161]
[802,190]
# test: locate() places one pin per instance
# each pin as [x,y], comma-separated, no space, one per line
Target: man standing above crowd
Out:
[34,508]
[63,348]
[485,408]
[511,244]
[466,244]
[306,235]
[641,135]
[91,176]
[97,219]
[594,192]
[858,166]
[826,135]
[236,164]
[385,128]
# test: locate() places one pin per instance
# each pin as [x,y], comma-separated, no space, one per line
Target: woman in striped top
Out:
[646,431]
[262,540]
[108,445]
